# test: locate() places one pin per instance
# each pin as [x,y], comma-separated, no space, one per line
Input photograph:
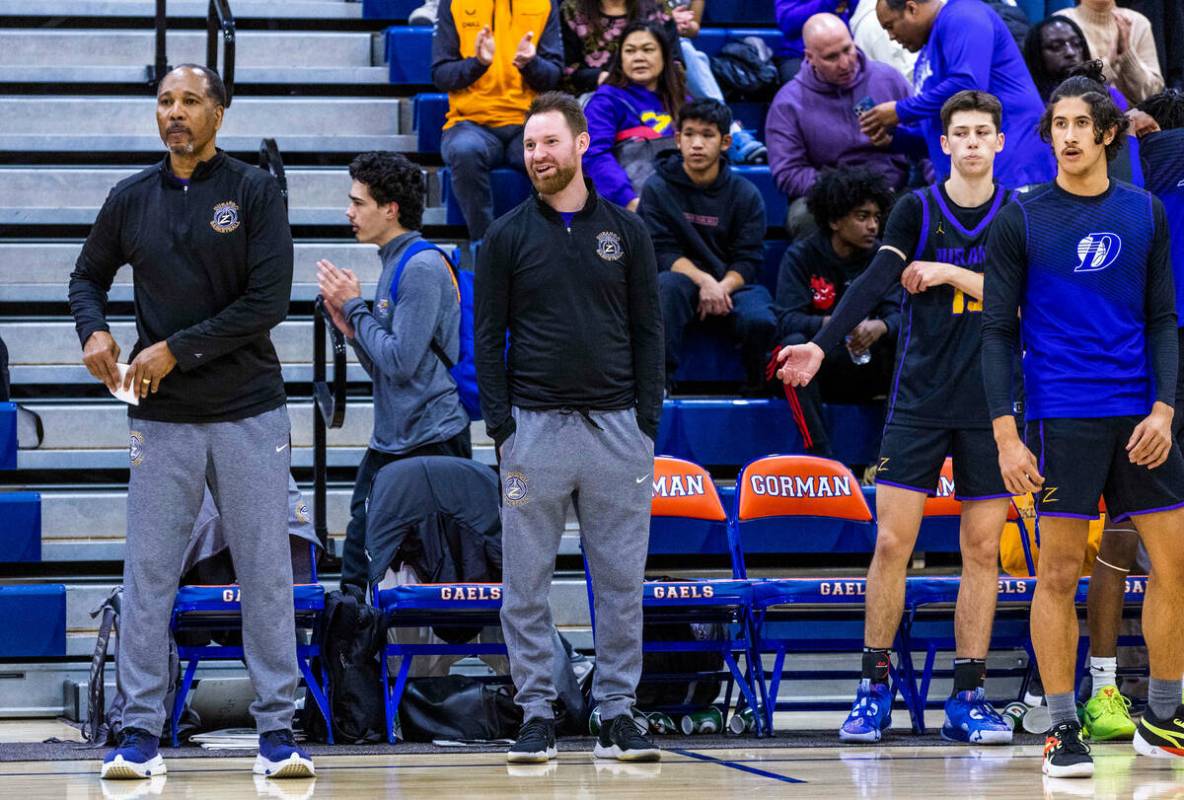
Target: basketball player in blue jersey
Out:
[934,244]
[1085,261]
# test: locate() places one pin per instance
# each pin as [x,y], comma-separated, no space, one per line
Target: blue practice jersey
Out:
[1091,278]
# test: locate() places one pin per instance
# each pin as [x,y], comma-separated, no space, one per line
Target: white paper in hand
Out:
[126,395]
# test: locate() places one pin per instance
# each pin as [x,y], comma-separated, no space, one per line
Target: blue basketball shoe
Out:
[279,757]
[970,718]
[870,716]
[137,756]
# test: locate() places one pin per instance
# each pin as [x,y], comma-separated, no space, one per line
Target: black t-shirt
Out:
[938,378]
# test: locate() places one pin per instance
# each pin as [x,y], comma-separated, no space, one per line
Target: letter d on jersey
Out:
[1096,251]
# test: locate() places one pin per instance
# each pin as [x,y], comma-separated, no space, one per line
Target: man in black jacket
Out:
[211,252]
[573,407]
[848,206]
[708,227]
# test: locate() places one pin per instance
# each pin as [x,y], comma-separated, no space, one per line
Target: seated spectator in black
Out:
[631,114]
[849,206]
[1053,48]
[708,227]
[417,409]
[813,124]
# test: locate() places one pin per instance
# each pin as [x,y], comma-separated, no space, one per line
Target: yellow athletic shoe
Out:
[1107,716]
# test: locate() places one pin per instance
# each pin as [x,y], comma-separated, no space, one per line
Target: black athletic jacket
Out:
[581,308]
[212,269]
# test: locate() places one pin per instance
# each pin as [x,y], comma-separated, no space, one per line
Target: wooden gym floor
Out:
[884,773]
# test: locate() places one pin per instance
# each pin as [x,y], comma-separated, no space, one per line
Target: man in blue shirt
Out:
[962,44]
[1086,263]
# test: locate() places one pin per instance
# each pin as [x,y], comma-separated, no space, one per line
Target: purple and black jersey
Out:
[1091,278]
[938,376]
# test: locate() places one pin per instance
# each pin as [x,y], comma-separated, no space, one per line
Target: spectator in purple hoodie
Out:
[812,124]
[637,103]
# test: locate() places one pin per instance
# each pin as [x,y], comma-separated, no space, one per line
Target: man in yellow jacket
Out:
[492,57]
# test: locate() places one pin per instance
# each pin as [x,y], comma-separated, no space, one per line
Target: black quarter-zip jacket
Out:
[581,306]
[211,266]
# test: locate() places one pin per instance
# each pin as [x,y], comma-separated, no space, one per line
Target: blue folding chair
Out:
[688,517]
[439,605]
[216,609]
[801,505]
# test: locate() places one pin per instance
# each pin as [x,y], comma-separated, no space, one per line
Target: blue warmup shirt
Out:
[970,47]
[1163,175]
[1092,280]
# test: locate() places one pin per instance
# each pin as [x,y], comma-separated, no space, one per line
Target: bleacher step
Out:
[179,9]
[73,195]
[40,123]
[42,48]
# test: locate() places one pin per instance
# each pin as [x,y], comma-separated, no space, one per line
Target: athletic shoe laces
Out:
[535,728]
[135,738]
[624,733]
[1069,740]
[1114,702]
[985,709]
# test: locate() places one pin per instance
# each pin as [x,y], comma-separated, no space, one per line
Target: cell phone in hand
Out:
[865,105]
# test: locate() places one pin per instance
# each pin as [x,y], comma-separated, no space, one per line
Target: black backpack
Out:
[351,634]
[745,72]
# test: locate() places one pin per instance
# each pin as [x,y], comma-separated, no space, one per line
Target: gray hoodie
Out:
[415,398]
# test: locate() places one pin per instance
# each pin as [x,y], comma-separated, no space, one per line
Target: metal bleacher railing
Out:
[219,19]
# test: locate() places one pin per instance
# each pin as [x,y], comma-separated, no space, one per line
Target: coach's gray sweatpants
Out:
[246,463]
[602,464]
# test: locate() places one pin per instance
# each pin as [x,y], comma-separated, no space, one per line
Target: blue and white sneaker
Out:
[279,757]
[970,718]
[870,716]
[136,757]
[747,149]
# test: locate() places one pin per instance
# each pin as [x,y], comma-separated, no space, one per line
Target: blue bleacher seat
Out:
[776,204]
[429,110]
[35,621]
[712,40]
[774,250]
[20,527]
[751,116]
[726,431]
[8,443]
[389,9]
[738,12]
[409,52]
[510,187]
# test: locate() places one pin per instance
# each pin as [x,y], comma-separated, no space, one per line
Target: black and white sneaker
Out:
[1161,738]
[1065,755]
[535,744]
[621,739]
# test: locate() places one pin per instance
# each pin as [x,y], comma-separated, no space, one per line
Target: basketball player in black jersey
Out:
[934,246]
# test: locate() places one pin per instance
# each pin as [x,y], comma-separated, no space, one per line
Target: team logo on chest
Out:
[608,246]
[1096,251]
[225,217]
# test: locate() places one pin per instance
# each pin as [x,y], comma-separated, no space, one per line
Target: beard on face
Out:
[556,181]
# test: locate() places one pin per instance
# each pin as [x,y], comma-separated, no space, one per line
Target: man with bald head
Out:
[813,124]
[208,241]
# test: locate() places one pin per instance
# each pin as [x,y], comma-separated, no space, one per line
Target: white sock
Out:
[1104,672]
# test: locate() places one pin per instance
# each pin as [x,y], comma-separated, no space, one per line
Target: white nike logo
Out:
[280,449]
[198,355]
[643,477]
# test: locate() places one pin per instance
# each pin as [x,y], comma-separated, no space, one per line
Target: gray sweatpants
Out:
[246,463]
[557,458]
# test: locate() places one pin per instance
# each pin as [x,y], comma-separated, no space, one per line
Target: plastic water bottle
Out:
[858,358]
